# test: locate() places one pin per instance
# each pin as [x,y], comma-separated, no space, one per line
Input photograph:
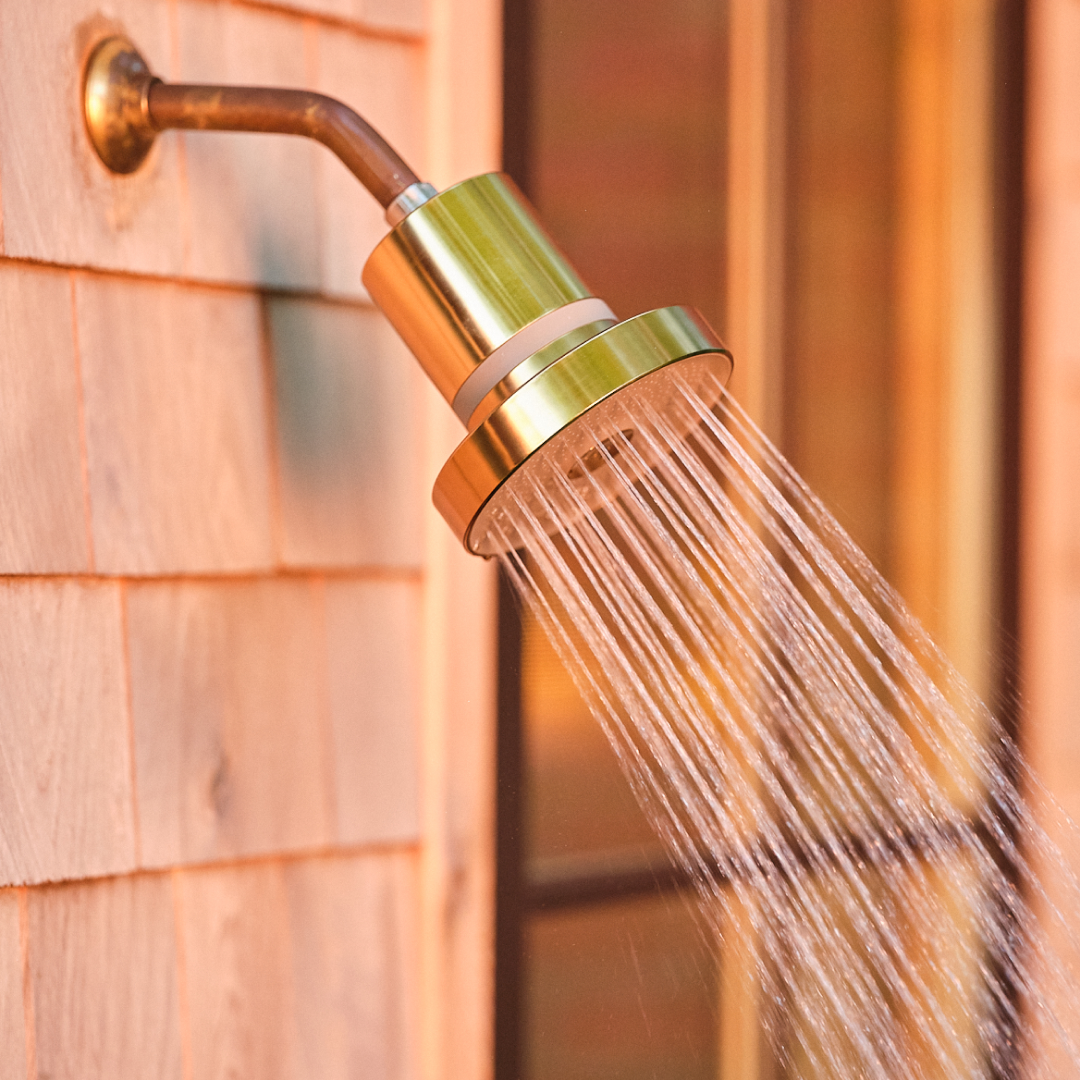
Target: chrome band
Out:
[532,366]
[414,196]
[528,340]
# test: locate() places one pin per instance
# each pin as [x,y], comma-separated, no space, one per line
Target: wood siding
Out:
[246,685]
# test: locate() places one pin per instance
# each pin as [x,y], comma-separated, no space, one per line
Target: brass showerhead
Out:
[498,319]
[516,343]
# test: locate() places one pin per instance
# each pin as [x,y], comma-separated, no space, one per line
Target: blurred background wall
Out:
[246,687]
[1050,476]
[839,186]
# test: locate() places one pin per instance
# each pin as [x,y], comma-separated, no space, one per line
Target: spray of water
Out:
[849,810]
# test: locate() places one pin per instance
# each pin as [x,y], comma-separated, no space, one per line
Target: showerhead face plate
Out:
[568,417]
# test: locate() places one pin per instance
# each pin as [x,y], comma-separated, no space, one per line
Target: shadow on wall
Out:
[347,449]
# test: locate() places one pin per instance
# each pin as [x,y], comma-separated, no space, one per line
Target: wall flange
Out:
[116,106]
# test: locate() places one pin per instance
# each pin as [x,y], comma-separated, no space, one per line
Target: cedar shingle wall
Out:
[245,685]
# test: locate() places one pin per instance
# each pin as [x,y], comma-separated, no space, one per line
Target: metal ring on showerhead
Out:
[541,415]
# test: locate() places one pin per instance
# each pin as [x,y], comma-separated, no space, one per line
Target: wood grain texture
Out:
[353,931]
[374,636]
[404,17]
[65,772]
[304,970]
[310,967]
[176,427]
[104,981]
[464,77]
[463,106]
[237,954]
[252,199]
[383,80]
[41,481]
[457,781]
[60,203]
[12,1020]
[336,9]
[228,691]
[348,437]
[409,16]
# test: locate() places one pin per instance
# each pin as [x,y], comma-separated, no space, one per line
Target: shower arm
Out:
[127,106]
[290,112]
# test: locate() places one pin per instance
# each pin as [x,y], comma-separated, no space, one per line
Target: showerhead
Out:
[498,319]
[519,346]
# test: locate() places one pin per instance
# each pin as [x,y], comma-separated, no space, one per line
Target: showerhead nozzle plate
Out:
[543,423]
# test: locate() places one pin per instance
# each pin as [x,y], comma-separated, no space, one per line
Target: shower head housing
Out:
[501,323]
[519,346]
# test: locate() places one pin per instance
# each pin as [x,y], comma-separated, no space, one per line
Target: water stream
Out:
[848,808]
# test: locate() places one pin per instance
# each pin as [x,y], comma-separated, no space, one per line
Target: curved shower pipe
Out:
[127,106]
